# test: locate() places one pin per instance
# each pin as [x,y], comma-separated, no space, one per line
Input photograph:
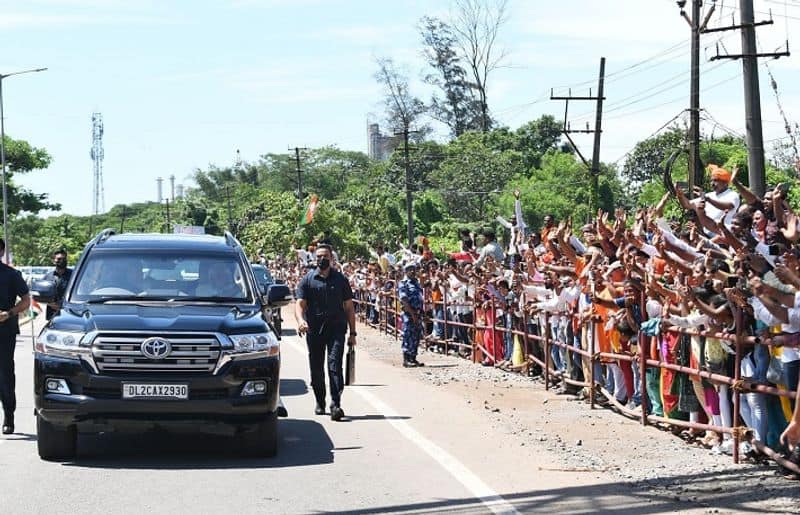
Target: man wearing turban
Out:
[720,199]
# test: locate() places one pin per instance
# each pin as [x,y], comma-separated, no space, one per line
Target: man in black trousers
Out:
[324,310]
[12,288]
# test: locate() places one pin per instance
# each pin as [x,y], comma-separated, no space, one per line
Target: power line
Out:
[710,118]
[615,76]
[769,13]
[654,133]
[677,99]
[661,53]
[649,92]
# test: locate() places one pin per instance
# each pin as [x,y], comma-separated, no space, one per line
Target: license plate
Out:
[155,391]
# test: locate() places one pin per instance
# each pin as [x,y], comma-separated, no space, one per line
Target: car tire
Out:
[262,441]
[55,443]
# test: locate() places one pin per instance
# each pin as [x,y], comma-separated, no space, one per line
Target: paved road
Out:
[405,447]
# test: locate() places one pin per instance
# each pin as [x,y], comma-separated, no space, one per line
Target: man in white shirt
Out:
[711,206]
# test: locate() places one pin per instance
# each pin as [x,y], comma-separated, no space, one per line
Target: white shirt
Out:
[729,197]
[762,313]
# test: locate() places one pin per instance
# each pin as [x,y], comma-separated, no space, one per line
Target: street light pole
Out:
[7,251]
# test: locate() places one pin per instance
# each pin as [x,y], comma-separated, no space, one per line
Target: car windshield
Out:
[263,277]
[174,276]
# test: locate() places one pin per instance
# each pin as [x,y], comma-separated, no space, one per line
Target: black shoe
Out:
[319,410]
[337,413]
[409,364]
[8,424]
[417,363]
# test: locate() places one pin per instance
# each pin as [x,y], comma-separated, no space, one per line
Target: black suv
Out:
[159,331]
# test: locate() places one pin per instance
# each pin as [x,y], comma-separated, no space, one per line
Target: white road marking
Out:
[491,499]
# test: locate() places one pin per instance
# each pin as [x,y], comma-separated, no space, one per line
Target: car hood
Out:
[167,318]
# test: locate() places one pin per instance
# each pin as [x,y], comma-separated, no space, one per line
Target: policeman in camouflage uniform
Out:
[410,295]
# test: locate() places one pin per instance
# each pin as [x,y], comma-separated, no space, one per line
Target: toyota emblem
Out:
[156,348]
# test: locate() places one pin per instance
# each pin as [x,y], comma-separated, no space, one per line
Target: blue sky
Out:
[182,84]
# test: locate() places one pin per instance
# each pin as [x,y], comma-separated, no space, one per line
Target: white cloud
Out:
[359,34]
[30,20]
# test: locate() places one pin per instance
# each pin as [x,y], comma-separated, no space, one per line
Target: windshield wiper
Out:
[108,298]
[237,300]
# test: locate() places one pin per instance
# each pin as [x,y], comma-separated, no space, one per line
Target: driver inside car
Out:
[220,281]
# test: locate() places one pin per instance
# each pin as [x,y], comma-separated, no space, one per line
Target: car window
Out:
[263,276]
[161,275]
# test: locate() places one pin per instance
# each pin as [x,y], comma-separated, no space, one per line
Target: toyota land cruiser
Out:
[159,331]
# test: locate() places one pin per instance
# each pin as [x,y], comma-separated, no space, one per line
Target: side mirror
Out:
[278,295]
[43,291]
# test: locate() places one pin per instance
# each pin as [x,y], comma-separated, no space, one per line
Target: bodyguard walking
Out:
[324,310]
[410,293]
[14,299]
[60,277]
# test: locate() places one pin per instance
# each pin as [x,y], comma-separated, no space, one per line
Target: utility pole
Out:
[169,224]
[597,132]
[409,198]
[230,215]
[752,94]
[594,166]
[122,222]
[299,173]
[695,171]
[696,174]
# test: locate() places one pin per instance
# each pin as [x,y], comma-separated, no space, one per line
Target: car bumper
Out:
[95,401]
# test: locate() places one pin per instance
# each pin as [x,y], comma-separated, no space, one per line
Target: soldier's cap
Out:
[410,265]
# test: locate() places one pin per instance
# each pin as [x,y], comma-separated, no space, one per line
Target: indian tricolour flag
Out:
[308,216]
[35,309]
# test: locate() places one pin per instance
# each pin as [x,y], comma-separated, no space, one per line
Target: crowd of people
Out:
[619,285]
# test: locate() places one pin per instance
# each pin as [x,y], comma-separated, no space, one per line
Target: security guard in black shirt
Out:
[12,287]
[324,310]
[60,277]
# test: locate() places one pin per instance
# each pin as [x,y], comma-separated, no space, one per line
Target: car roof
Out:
[193,242]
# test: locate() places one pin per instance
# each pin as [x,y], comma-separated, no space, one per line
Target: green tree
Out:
[536,138]
[646,160]
[471,173]
[456,107]
[22,158]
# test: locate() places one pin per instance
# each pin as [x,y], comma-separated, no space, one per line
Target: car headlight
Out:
[256,342]
[61,343]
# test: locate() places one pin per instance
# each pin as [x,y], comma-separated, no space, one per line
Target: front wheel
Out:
[55,443]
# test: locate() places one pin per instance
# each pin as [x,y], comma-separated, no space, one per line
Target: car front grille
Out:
[191,353]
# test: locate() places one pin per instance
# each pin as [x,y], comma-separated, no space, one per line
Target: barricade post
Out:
[395,316]
[476,348]
[737,375]
[444,315]
[547,358]
[383,303]
[492,332]
[591,363]
[642,364]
